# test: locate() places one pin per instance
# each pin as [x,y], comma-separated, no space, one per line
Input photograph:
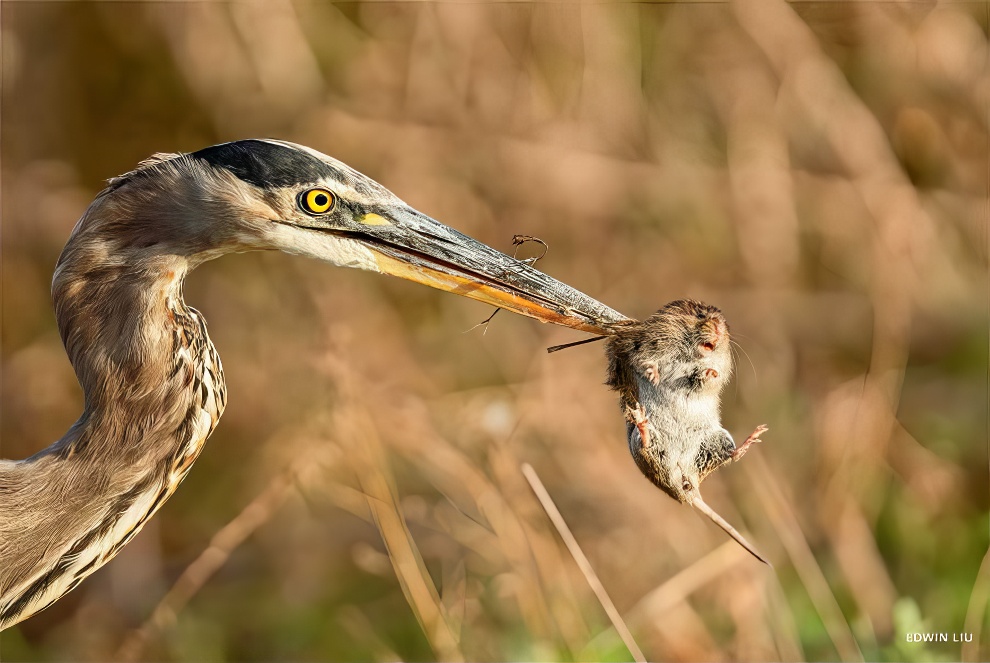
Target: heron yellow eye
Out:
[316,201]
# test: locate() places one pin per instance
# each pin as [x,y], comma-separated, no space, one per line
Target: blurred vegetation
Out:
[817,170]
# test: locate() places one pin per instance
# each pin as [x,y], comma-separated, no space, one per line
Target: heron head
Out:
[268,194]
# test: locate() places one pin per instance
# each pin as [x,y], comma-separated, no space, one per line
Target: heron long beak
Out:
[700,505]
[413,246]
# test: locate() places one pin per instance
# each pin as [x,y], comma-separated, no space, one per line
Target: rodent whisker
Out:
[733,342]
[735,360]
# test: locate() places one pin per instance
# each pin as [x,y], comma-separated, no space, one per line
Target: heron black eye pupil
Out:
[320,199]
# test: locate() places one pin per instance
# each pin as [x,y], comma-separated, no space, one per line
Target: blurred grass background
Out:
[817,170]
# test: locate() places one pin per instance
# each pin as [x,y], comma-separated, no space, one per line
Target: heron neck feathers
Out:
[154,391]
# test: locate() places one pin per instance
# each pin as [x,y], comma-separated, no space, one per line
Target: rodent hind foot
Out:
[637,417]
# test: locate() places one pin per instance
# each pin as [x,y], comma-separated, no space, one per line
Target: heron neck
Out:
[118,310]
[154,392]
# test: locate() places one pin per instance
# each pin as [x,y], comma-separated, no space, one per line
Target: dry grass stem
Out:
[678,588]
[976,613]
[456,476]
[192,579]
[356,428]
[783,624]
[788,529]
[337,495]
[357,624]
[411,572]
[582,561]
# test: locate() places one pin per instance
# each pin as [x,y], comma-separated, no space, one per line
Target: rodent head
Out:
[683,334]
[688,331]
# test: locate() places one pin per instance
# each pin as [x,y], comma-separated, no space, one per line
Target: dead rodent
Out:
[670,370]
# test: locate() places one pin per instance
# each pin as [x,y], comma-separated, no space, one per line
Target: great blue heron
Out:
[153,384]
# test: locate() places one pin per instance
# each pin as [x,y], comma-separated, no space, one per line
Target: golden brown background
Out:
[817,170]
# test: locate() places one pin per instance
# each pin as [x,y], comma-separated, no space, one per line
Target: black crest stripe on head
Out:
[265,164]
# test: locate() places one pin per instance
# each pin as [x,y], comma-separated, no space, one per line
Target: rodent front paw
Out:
[753,438]
[652,373]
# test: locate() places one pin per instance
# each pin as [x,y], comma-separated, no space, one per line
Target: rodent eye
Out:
[316,201]
[686,486]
